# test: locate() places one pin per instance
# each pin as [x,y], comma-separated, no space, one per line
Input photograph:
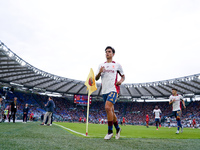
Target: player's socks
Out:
[178,128]
[110,127]
[116,125]
[156,125]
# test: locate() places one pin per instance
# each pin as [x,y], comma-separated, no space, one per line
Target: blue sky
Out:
[154,40]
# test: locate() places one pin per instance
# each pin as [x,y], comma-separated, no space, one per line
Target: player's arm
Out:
[99,74]
[183,102]
[171,101]
[121,80]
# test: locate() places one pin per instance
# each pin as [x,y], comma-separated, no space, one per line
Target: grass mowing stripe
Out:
[69,129]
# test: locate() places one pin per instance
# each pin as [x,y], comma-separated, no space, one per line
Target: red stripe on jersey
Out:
[112,62]
[117,86]
[180,106]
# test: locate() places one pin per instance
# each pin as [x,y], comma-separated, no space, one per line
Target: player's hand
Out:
[101,69]
[184,107]
[118,83]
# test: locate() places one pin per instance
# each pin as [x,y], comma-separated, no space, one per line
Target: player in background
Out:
[190,121]
[108,71]
[194,123]
[147,121]
[157,113]
[168,121]
[123,121]
[176,100]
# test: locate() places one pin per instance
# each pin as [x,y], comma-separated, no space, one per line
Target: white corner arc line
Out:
[69,129]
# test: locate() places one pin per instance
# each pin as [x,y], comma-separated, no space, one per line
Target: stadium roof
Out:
[19,73]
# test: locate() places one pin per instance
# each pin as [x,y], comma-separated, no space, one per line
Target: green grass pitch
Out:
[21,136]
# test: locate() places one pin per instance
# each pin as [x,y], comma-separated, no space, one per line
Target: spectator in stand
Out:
[84,120]
[147,121]
[31,116]
[14,108]
[80,119]
[1,107]
[9,112]
[50,108]
[25,113]
[194,123]
[42,117]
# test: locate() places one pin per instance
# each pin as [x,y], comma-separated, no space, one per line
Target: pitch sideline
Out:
[70,130]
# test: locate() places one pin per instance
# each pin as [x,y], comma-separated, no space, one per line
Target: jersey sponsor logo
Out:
[109,71]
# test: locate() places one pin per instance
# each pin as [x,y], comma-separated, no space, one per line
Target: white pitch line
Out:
[70,130]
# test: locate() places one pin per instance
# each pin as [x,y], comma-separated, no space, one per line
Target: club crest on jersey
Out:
[91,81]
[113,66]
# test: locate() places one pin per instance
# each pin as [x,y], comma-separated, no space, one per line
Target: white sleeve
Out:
[181,97]
[170,98]
[120,69]
[98,69]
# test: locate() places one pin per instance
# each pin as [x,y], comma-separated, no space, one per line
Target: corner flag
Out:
[91,86]
[90,83]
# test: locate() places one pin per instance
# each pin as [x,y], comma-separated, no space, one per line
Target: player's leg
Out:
[49,121]
[110,115]
[179,120]
[14,117]
[159,122]
[23,117]
[109,112]
[115,122]
[45,117]
[156,120]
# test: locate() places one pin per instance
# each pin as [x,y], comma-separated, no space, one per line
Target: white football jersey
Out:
[109,76]
[177,104]
[168,119]
[157,113]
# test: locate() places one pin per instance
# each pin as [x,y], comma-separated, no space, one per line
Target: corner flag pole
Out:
[88,106]
[91,87]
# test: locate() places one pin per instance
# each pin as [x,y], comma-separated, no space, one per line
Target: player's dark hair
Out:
[0,96]
[50,97]
[174,89]
[109,47]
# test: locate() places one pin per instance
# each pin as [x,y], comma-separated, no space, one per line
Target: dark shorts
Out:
[157,120]
[111,97]
[177,113]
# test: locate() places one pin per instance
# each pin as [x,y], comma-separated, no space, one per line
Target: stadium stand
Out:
[67,110]
[28,83]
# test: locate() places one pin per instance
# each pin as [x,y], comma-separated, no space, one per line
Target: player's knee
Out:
[107,108]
